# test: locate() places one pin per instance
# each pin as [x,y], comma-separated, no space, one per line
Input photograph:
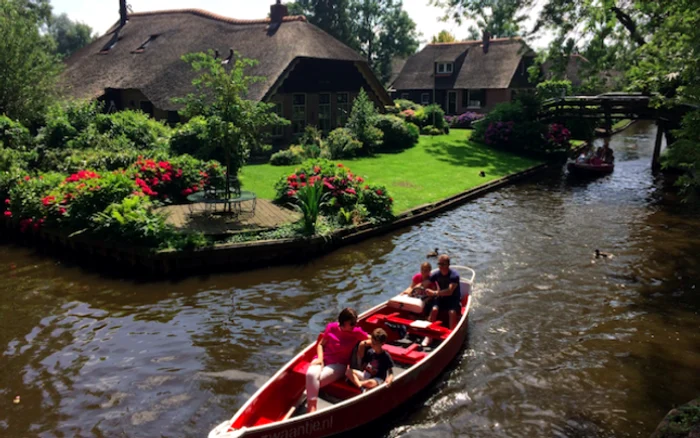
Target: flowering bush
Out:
[398,134]
[464,120]
[344,189]
[176,179]
[26,195]
[499,133]
[558,137]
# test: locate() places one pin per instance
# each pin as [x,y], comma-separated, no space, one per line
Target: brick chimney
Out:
[486,41]
[122,13]
[278,11]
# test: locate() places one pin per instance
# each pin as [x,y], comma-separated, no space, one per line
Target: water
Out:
[560,344]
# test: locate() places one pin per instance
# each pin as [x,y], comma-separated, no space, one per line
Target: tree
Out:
[444,37]
[362,121]
[501,18]
[384,31]
[234,124]
[69,35]
[333,16]
[29,70]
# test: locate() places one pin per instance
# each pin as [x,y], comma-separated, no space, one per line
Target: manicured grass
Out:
[620,124]
[434,169]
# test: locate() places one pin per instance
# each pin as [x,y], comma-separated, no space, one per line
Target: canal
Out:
[560,344]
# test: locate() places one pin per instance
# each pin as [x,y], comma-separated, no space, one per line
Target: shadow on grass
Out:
[464,153]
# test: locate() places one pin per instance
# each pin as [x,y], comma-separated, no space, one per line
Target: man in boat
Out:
[448,295]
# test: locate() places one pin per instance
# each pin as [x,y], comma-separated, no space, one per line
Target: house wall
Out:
[492,98]
[312,110]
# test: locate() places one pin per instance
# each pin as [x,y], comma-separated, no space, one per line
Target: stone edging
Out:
[238,256]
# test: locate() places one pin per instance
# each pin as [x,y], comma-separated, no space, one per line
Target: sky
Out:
[102,14]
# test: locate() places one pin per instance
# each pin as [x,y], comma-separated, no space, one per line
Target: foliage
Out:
[340,144]
[444,37]
[143,132]
[333,16]
[503,18]
[431,130]
[312,136]
[684,156]
[344,190]
[26,193]
[29,70]
[581,129]
[552,88]
[284,158]
[361,123]
[134,220]
[417,117]
[434,115]
[193,138]
[176,179]
[65,121]
[558,137]
[398,134]
[234,123]
[308,201]
[405,104]
[13,134]
[463,120]
[69,35]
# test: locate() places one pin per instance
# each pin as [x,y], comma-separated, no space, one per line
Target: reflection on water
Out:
[560,344]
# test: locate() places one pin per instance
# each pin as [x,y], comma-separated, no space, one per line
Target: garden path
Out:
[195,217]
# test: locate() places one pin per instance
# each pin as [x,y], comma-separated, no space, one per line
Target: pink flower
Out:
[8,213]
[291,193]
[7,201]
[302,176]
[351,191]
[187,192]
[62,211]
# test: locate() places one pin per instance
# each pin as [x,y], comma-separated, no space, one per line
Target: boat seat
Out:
[408,355]
[426,328]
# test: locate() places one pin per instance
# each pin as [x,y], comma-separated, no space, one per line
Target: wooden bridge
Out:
[611,107]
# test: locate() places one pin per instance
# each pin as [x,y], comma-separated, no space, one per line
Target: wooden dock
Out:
[197,217]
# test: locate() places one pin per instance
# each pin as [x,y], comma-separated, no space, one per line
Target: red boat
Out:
[277,410]
[587,168]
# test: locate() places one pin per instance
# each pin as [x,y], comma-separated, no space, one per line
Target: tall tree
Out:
[29,70]
[333,16]
[69,35]
[501,18]
[384,31]
[444,37]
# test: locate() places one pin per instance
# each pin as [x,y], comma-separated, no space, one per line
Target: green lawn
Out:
[620,124]
[434,169]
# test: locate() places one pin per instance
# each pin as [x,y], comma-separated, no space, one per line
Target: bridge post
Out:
[655,162]
[608,118]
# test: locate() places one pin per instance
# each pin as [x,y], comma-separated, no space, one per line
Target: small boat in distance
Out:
[588,168]
[278,408]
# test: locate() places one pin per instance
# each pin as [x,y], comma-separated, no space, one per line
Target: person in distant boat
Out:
[608,156]
[333,354]
[448,295]
[378,363]
[420,282]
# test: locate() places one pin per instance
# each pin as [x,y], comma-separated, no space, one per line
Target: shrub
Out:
[285,158]
[405,104]
[308,200]
[361,123]
[340,144]
[558,138]
[312,136]
[66,121]
[582,129]
[142,131]
[431,130]
[192,138]
[397,134]
[464,120]
[417,117]
[684,155]
[71,161]
[13,134]
[134,220]
[345,190]
[26,195]
[434,115]
[176,179]
[554,88]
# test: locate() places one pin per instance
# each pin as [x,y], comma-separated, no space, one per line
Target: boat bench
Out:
[408,355]
[434,330]
[340,389]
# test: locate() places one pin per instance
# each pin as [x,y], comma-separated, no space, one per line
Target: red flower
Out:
[27,178]
[380,193]
[7,201]
[48,200]
[302,176]
[317,169]
[291,193]
[340,164]
[61,211]
[8,213]
[328,184]
[366,187]
[359,179]
[187,192]
[351,191]
[294,184]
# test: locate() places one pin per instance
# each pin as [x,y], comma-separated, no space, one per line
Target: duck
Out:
[482,174]
[432,253]
[605,255]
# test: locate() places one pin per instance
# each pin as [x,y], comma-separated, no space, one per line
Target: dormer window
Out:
[145,44]
[445,68]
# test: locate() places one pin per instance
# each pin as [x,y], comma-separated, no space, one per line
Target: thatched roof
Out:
[574,66]
[159,72]
[472,67]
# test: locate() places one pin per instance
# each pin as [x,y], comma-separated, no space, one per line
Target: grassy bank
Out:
[434,169]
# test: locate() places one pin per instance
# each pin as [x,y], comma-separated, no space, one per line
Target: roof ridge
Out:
[493,40]
[207,14]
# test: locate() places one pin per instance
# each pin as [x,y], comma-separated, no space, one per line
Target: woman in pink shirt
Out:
[332,354]
[421,281]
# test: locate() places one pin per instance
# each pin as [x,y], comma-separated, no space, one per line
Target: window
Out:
[404,96]
[425,99]
[277,130]
[146,107]
[298,113]
[145,44]
[444,68]
[474,98]
[110,44]
[342,108]
[324,112]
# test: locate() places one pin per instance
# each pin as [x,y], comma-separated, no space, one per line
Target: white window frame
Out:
[469,102]
[296,120]
[342,110]
[328,107]
[425,99]
[445,68]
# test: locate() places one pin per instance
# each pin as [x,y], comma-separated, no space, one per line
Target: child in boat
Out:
[378,363]
[420,282]
[333,354]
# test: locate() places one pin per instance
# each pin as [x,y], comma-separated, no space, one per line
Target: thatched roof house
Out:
[466,76]
[137,64]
